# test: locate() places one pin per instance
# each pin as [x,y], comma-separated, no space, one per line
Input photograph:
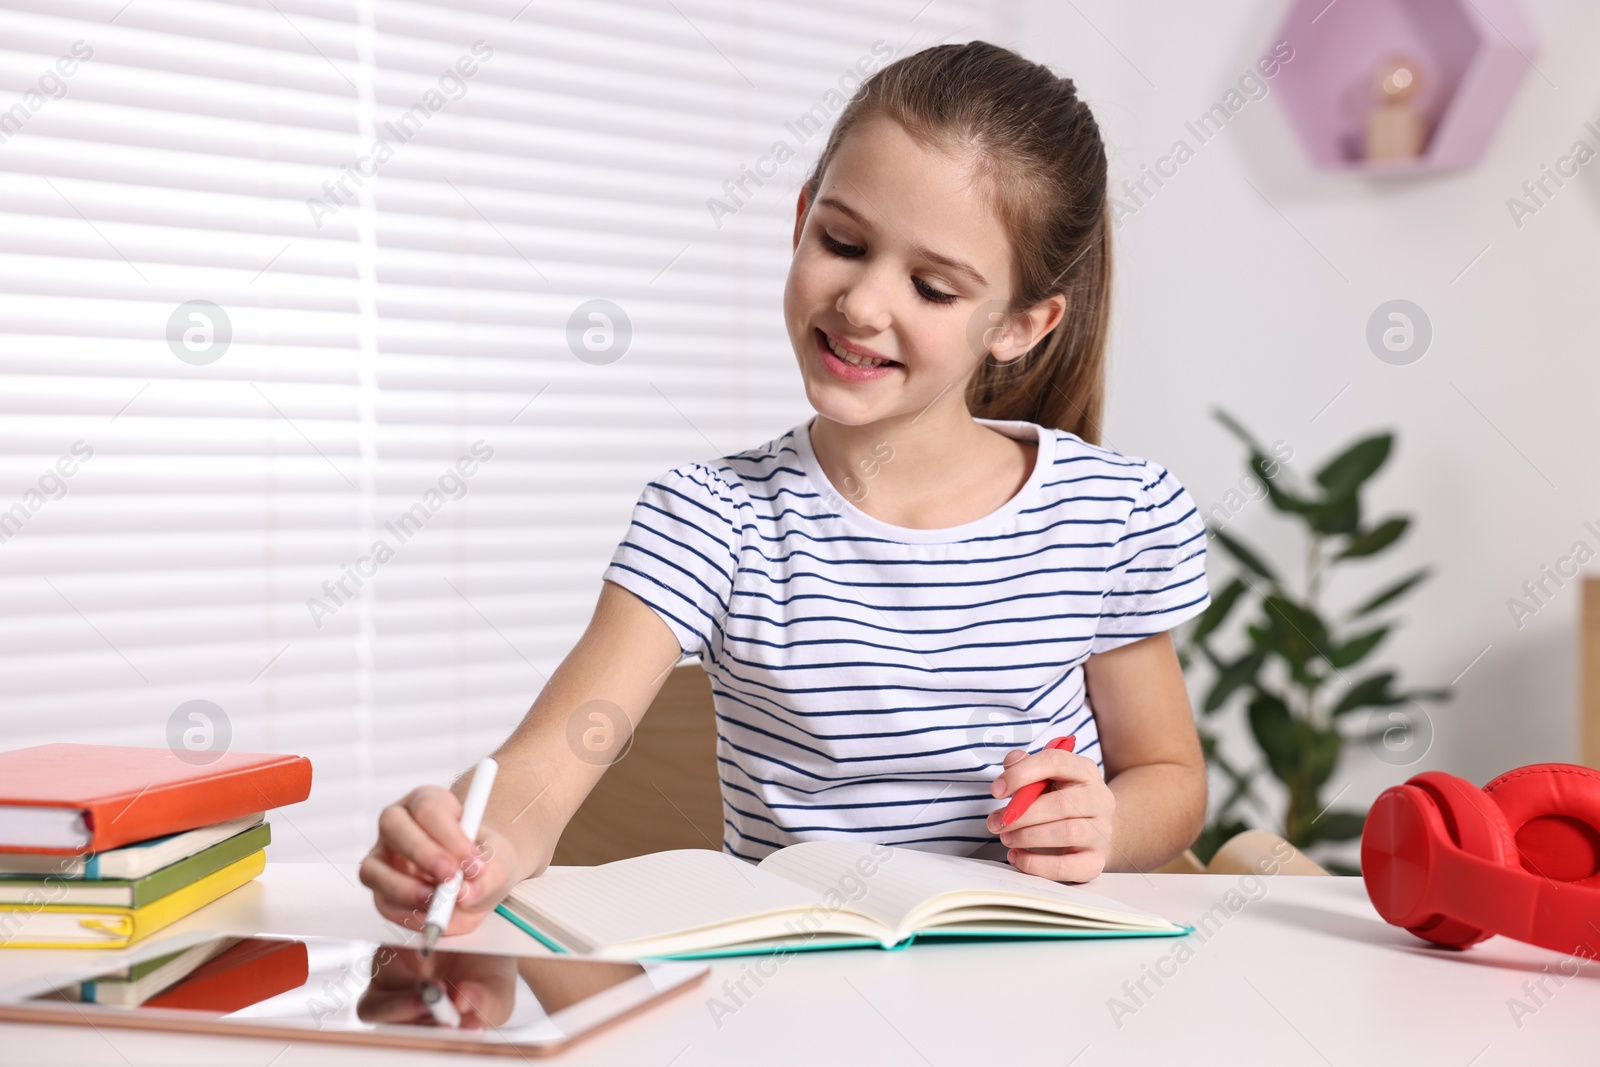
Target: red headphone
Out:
[1456,864]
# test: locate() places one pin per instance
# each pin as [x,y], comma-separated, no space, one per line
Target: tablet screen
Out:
[332,986]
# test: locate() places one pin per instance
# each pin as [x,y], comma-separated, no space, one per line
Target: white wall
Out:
[1221,302]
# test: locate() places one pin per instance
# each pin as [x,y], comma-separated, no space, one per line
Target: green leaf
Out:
[1346,870]
[1261,637]
[1344,474]
[1240,672]
[1341,515]
[1296,653]
[1300,632]
[1217,613]
[1372,692]
[1356,649]
[1274,731]
[1245,556]
[1238,431]
[1280,497]
[1394,592]
[1374,540]
[1338,826]
[1323,749]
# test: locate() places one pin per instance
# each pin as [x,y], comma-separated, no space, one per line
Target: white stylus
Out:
[443,904]
[444,1013]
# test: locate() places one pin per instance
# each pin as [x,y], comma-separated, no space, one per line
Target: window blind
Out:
[338,338]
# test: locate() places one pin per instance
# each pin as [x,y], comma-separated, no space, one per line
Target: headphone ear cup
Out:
[1553,812]
[1400,846]
[1477,826]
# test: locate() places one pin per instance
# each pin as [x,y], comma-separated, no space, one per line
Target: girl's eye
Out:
[839,247]
[927,292]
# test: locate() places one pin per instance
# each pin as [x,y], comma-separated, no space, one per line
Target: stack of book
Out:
[219,976]
[101,845]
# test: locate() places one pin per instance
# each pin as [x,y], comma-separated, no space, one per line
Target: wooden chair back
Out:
[664,791]
[1250,852]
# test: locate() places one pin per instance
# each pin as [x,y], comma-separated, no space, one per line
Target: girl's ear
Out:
[799,217]
[1024,330]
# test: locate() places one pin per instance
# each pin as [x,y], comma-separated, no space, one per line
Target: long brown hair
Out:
[1038,150]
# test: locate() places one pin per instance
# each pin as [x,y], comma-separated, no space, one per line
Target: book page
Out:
[902,888]
[654,895]
[851,875]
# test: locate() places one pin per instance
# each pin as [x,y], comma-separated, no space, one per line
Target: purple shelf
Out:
[1473,55]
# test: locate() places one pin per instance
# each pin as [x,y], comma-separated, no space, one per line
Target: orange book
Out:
[70,799]
[248,973]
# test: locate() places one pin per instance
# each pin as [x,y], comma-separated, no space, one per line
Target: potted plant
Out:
[1301,675]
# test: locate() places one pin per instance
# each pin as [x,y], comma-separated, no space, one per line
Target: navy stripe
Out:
[1020,576]
[873,644]
[857,539]
[976,624]
[963,726]
[1089,478]
[670,565]
[1058,546]
[950,668]
[882,607]
[711,513]
[679,625]
[856,829]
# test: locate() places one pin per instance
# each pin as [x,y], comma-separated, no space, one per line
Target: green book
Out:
[694,903]
[133,860]
[136,892]
[135,984]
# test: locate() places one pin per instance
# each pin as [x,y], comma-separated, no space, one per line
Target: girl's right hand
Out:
[420,844]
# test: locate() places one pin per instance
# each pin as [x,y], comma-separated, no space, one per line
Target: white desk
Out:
[1306,973]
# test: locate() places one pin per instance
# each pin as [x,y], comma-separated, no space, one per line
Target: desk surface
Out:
[1300,971]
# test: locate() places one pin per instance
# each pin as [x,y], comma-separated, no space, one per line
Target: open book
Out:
[690,903]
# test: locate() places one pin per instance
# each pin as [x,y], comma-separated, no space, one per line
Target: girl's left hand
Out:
[1064,835]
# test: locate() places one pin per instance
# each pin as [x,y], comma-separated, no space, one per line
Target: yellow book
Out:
[104,926]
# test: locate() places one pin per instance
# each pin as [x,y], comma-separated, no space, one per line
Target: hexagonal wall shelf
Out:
[1471,55]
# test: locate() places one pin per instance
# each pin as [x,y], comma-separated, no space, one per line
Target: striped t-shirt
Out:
[870,678]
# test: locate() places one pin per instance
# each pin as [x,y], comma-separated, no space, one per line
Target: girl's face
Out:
[901,258]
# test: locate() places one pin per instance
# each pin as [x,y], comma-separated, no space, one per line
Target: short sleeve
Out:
[1155,574]
[681,552]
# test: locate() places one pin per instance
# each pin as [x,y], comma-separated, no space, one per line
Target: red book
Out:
[254,970]
[70,799]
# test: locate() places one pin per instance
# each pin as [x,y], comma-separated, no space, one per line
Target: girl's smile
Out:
[852,362]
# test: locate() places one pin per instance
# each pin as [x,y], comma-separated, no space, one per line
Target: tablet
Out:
[351,992]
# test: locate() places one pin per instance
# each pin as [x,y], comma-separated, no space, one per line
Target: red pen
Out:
[1033,790]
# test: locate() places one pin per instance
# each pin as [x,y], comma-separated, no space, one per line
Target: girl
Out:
[902,600]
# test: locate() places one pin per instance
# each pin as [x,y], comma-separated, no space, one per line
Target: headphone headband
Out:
[1519,904]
